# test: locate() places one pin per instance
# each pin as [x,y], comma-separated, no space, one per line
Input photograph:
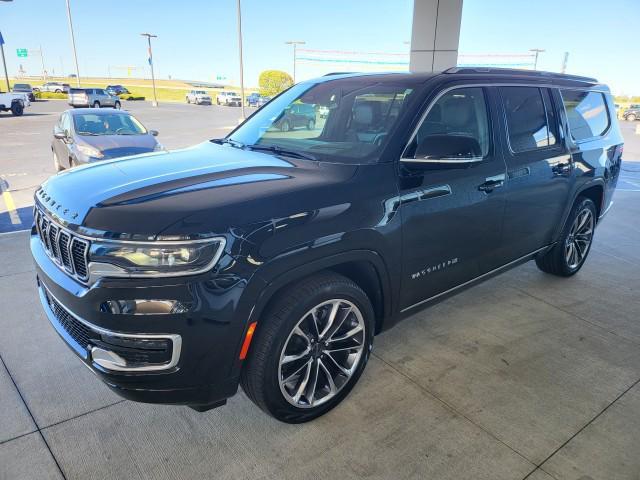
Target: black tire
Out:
[631,118]
[260,378]
[96,104]
[285,126]
[17,109]
[311,124]
[56,163]
[117,105]
[556,261]
[58,91]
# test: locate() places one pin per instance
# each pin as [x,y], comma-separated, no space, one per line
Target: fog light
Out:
[144,307]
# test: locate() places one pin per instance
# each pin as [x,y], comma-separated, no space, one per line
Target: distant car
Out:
[323,111]
[93,97]
[87,135]
[297,115]
[55,87]
[252,99]
[198,97]
[229,99]
[14,102]
[116,89]
[262,100]
[632,113]
[24,88]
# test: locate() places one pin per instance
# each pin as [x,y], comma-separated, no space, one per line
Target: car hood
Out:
[217,186]
[114,146]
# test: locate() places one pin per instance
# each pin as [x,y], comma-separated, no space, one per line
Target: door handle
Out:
[561,168]
[491,183]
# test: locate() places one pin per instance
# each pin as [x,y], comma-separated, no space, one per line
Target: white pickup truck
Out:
[14,102]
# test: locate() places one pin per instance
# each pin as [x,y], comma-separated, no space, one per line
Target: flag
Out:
[150,55]
[1,39]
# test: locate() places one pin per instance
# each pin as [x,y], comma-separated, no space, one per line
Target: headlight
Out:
[159,148]
[90,151]
[162,258]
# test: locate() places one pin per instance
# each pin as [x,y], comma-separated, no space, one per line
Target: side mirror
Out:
[60,135]
[154,132]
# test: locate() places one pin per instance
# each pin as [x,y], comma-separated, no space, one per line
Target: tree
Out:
[273,82]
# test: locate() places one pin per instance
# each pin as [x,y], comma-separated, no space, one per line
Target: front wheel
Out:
[631,118]
[574,244]
[285,126]
[56,163]
[311,124]
[310,348]
[17,108]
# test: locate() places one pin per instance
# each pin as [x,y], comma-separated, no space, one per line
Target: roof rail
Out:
[521,72]
[338,73]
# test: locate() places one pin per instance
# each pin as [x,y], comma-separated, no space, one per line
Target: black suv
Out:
[271,258]
[632,113]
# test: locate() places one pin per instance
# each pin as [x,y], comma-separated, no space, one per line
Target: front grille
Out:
[67,250]
[76,329]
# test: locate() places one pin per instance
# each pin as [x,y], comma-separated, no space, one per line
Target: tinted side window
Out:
[526,119]
[456,127]
[99,91]
[586,112]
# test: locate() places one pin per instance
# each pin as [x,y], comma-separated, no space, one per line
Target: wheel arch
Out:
[364,267]
[593,190]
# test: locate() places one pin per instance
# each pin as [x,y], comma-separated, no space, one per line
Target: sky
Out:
[198,39]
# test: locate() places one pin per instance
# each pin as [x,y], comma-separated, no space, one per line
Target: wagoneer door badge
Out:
[434,268]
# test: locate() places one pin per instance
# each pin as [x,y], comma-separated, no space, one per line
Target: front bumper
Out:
[201,366]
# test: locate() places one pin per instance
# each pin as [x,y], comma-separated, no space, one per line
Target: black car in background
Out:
[632,113]
[86,135]
[24,88]
[116,89]
[271,258]
[297,115]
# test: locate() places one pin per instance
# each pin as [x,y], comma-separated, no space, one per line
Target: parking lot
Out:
[525,376]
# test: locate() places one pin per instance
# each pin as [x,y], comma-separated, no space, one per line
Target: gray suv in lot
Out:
[92,97]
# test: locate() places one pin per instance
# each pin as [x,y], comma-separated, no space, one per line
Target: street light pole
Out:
[537,52]
[73,44]
[153,76]
[240,52]
[295,44]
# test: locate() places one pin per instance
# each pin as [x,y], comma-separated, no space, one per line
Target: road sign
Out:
[22,52]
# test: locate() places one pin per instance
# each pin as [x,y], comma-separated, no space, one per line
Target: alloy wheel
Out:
[321,353]
[579,238]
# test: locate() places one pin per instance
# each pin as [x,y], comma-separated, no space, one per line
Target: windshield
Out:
[22,86]
[90,124]
[344,120]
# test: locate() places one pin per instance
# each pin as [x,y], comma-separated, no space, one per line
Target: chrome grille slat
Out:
[68,251]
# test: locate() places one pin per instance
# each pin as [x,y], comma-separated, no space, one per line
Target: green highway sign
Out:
[22,52]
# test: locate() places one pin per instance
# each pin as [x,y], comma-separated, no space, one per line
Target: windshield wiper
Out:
[89,133]
[228,141]
[281,151]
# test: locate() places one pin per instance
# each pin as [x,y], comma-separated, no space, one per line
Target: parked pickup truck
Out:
[14,102]
[228,99]
[198,97]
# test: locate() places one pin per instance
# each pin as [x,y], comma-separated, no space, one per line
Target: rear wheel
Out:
[570,253]
[96,104]
[631,117]
[310,349]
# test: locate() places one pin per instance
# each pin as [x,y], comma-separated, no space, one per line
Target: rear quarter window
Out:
[586,112]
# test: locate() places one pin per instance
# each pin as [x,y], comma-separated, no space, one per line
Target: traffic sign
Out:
[22,52]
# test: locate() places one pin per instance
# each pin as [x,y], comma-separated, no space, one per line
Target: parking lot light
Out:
[295,44]
[153,76]
[73,45]
[240,53]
